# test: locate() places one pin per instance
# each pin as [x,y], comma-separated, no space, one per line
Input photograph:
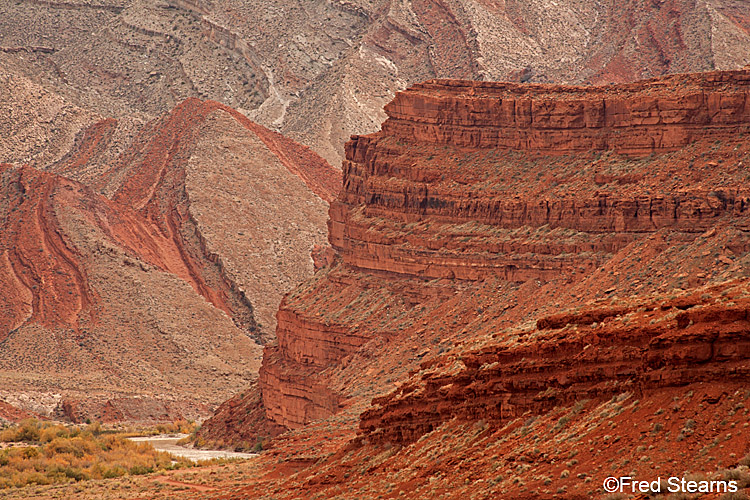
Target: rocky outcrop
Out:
[638,119]
[310,338]
[399,209]
[592,354]
[10,414]
[440,195]
[42,277]
[240,421]
[124,408]
[522,323]
[291,395]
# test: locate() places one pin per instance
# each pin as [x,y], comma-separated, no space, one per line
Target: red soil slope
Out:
[500,290]
[596,353]
[70,258]
[203,197]
[152,177]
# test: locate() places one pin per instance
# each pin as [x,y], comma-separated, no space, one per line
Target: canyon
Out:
[426,207]
[520,272]
[528,305]
[508,289]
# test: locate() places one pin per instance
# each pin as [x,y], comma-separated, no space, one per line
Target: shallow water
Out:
[169,444]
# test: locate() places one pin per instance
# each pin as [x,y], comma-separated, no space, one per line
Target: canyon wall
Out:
[594,354]
[521,187]
[640,118]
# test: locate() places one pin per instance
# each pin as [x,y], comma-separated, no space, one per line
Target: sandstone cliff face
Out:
[442,239]
[640,118]
[522,305]
[400,206]
[597,353]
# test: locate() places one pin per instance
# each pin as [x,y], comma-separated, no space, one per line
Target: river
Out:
[169,444]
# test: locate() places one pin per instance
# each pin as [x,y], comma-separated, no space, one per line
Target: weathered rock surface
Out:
[250,223]
[202,209]
[640,118]
[90,307]
[240,422]
[9,414]
[38,126]
[438,206]
[593,354]
[319,71]
[492,286]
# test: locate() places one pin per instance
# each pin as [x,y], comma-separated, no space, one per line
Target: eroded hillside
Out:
[321,70]
[138,285]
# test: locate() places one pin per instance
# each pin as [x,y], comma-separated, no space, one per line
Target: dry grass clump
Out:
[180,426]
[46,453]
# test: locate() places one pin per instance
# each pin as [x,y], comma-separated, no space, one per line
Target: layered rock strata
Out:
[640,118]
[592,354]
[475,183]
[91,308]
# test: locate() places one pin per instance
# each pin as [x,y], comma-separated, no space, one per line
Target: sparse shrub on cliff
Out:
[687,430]
[575,410]
[742,477]
[561,423]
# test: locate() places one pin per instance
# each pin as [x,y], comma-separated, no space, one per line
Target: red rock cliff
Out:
[639,118]
[597,353]
[475,187]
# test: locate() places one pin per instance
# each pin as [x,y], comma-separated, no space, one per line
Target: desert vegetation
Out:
[41,453]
